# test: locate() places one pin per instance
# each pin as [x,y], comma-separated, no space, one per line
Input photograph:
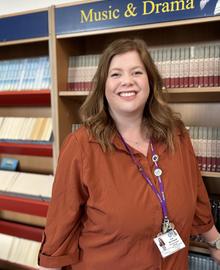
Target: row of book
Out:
[25,74]
[206,144]
[188,66]
[30,185]
[81,71]
[25,129]
[18,250]
[202,262]
[184,66]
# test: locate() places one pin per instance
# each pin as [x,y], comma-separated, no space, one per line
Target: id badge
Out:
[169,243]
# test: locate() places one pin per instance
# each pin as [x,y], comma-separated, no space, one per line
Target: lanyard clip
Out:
[167,226]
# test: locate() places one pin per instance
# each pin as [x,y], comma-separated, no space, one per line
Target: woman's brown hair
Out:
[158,117]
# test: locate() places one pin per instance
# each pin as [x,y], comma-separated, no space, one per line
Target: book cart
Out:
[198,105]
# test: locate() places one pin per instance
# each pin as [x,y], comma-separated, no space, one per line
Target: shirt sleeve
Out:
[60,239]
[203,220]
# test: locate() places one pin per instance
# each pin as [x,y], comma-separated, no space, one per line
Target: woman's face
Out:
[127,85]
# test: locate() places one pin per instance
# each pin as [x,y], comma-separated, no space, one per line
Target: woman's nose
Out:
[127,80]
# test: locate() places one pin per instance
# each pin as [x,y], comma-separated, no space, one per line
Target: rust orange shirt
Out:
[103,215]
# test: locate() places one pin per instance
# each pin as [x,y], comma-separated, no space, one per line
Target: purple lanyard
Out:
[157,173]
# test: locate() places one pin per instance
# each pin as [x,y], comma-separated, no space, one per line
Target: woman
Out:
[108,204]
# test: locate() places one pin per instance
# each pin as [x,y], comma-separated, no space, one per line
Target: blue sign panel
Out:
[24,26]
[113,13]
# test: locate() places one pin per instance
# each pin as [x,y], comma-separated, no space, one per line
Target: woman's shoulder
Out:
[81,135]
[182,138]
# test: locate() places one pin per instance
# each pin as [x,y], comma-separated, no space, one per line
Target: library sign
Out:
[113,13]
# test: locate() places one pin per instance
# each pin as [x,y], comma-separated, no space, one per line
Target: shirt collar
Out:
[160,148]
[116,141]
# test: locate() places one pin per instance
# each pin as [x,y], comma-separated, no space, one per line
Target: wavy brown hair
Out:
[158,117]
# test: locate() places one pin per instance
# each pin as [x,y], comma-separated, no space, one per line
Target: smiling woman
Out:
[114,195]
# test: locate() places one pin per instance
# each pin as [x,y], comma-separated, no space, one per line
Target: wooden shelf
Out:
[193,94]
[73,93]
[196,90]
[210,174]
[25,98]
[21,230]
[169,91]
[26,149]
[23,41]
[199,247]
[24,205]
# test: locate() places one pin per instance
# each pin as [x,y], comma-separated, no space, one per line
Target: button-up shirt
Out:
[103,215]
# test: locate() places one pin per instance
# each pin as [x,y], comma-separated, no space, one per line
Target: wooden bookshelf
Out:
[25,98]
[155,35]
[65,104]
[26,149]
[25,36]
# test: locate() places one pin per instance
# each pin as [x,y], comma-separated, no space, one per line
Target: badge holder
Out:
[168,241]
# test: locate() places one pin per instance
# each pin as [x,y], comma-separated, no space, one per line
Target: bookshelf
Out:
[63,105]
[24,49]
[93,42]
[191,102]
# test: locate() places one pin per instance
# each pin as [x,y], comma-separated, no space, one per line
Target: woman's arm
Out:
[211,236]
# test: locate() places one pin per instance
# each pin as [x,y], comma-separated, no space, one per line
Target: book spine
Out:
[216,65]
[206,66]
[214,149]
[191,66]
[201,66]
[186,66]
[218,151]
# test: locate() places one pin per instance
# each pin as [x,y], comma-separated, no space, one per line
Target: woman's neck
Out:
[134,133]
[131,128]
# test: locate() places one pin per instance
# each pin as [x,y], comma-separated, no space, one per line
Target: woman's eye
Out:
[138,72]
[115,75]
